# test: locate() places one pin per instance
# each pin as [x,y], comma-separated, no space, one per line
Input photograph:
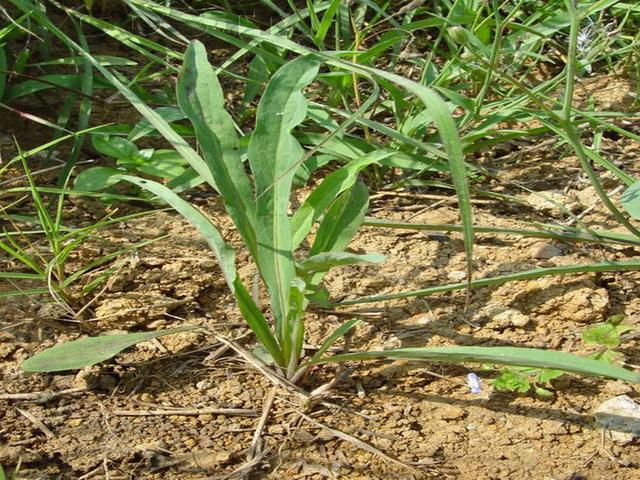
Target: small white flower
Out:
[585,37]
[474,383]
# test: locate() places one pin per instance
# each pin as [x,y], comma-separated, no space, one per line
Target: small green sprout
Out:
[523,379]
[608,336]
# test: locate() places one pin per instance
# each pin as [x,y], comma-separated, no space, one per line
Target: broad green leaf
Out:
[342,220]
[631,200]
[144,127]
[327,260]
[226,259]
[89,351]
[201,98]
[167,164]
[273,152]
[605,334]
[325,193]
[96,179]
[512,381]
[528,357]
[115,147]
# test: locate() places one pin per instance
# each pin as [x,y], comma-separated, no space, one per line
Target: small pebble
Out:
[450,412]
[74,422]
[544,251]
[190,442]
[509,318]
[457,275]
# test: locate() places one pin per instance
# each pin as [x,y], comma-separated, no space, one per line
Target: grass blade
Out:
[226,259]
[630,265]
[339,332]
[333,184]
[525,357]
[327,260]
[342,220]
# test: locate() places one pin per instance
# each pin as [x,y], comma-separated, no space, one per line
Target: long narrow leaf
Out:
[342,220]
[525,357]
[322,262]
[201,99]
[272,151]
[630,265]
[333,184]
[328,342]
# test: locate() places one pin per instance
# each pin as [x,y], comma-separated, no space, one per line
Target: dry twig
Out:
[239,412]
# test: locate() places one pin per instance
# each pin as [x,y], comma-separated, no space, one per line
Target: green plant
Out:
[37,248]
[163,164]
[607,336]
[522,380]
[258,205]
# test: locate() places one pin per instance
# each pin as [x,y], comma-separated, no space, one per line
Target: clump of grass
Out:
[490,50]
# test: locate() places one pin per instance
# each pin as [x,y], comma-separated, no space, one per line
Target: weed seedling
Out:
[607,336]
[259,203]
[523,380]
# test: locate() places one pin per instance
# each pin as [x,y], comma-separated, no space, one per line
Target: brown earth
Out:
[422,416]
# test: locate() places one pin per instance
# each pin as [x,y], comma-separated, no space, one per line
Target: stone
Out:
[190,442]
[553,427]
[549,202]
[457,275]
[449,412]
[544,251]
[621,416]
[509,318]
[74,422]
[588,197]
[584,305]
